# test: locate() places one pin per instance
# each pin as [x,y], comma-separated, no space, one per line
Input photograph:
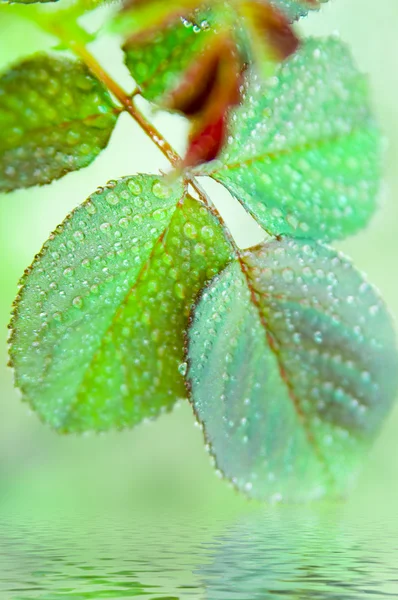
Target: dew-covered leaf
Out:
[303,153]
[190,69]
[98,329]
[292,367]
[158,60]
[141,16]
[180,54]
[55,117]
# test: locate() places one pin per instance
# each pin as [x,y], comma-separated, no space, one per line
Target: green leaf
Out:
[293,367]
[158,60]
[55,117]
[143,16]
[303,154]
[98,328]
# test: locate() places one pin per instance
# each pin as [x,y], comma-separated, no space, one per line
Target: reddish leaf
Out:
[199,80]
[210,100]
[206,144]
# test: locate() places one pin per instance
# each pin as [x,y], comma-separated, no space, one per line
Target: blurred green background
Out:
[165,463]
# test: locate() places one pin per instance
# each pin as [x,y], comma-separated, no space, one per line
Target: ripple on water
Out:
[281,553]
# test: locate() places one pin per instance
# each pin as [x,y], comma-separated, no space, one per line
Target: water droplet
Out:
[90,208]
[182,368]
[105,227]
[134,187]
[161,190]
[288,275]
[112,198]
[318,337]
[77,301]
[190,230]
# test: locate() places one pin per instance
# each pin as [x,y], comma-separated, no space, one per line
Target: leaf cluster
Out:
[142,296]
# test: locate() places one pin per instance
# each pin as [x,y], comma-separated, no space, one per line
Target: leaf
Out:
[292,366]
[98,328]
[194,71]
[163,59]
[55,117]
[303,154]
[209,105]
[271,37]
[158,60]
[143,15]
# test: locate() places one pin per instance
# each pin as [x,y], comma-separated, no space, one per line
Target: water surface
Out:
[267,553]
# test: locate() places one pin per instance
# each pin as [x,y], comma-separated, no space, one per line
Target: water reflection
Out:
[299,554]
[103,558]
[283,552]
